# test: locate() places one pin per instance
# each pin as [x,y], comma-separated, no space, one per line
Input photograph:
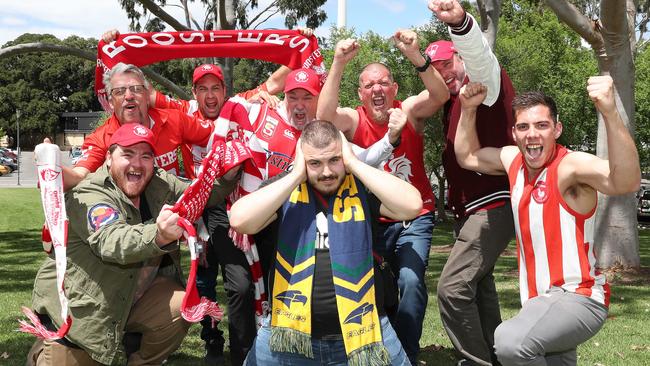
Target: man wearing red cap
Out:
[123,273]
[467,296]
[406,244]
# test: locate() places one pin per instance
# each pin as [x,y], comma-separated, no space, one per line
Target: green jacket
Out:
[107,246]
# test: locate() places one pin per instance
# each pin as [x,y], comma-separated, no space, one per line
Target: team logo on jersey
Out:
[100,215]
[290,296]
[357,314]
[400,167]
[289,134]
[279,160]
[540,192]
[269,127]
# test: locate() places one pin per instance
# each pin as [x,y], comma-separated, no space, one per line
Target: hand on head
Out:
[601,92]
[396,121]
[349,158]
[472,95]
[447,11]
[346,50]
[299,168]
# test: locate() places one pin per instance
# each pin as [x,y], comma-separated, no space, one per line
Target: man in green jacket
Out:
[123,273]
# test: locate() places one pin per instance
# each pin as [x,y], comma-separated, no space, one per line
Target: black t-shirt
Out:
[324,313]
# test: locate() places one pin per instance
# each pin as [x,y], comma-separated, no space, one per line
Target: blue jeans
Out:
[406,247]
[325,352]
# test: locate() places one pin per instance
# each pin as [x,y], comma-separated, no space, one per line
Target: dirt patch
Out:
[620,275]
[446,249]
[442,249]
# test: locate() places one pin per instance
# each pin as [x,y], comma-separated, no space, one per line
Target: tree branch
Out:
[490,11]
[90,56]
[262,12]
[163,15]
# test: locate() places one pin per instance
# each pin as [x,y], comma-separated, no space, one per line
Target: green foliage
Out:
[642,96]
[540,53]
[42,85]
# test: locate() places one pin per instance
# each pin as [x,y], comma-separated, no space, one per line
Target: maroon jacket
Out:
[468,190]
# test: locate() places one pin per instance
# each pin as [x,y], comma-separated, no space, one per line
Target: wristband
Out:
[427,62]
[398,141]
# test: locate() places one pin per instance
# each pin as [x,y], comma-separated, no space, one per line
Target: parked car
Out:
[4,170]
[8,156]
[9,163]
[643,206]
[8,153]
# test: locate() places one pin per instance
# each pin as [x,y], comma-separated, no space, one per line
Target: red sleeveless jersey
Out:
[407,160]
[555,244]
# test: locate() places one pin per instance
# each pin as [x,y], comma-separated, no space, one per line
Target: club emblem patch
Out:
[100,215]
[540,192]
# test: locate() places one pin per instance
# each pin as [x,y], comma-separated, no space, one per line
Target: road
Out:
[28,177]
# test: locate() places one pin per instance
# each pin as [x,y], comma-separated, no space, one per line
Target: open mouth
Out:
[449,80]
[534,151]
[378,101]
[299,116]
[133,177]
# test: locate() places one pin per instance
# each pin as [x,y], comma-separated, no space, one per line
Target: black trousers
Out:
[239,289]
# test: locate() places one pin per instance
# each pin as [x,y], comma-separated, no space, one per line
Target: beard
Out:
[131,185]
[327,185]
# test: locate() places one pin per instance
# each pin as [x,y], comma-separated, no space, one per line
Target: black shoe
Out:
[214,353]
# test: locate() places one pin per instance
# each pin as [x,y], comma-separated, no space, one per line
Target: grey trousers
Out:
[467,296]
[548,329]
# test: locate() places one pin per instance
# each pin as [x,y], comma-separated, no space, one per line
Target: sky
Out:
[90,18]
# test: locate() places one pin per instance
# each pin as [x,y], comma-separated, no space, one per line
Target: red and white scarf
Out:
[285,47]
[55,234]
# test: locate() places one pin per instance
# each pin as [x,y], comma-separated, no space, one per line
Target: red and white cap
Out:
[131,134]
[440,50]
[303,79]
[206,69]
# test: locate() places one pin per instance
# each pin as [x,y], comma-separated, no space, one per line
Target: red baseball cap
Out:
[303,79]
[440,50]
[131,134]
[205,69]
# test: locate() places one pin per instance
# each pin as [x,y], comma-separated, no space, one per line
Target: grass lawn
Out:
[624,340]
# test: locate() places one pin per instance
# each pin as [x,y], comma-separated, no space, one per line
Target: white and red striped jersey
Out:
[555,244]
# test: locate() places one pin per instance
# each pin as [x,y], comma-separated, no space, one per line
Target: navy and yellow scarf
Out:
[350,241]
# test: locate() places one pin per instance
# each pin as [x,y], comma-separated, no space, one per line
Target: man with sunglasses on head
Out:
[129,96]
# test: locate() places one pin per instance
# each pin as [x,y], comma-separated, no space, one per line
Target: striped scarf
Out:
[350,242]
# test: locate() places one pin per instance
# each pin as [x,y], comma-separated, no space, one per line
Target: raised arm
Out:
[469,153]
[253,212]
[345,119]
[402,206]
[621,173]
[380,151]
[424,105]
[481,64]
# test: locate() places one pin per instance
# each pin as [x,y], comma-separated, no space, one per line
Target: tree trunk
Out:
[442,188]
[490,11]
[616,235]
